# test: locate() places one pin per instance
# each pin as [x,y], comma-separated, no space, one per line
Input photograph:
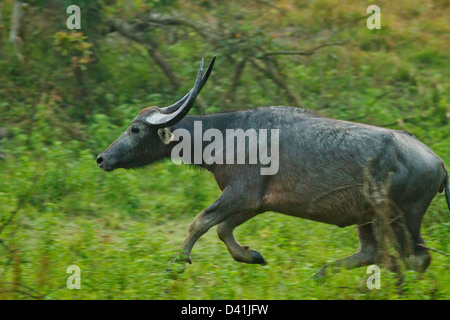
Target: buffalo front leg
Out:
[239,252]
[228,204]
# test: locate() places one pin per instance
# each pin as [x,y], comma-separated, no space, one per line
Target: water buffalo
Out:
[319,173]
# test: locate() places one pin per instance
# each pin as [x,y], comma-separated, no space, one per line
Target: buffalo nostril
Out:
[99,161]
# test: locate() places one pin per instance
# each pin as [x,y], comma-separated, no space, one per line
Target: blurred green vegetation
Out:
[66,95]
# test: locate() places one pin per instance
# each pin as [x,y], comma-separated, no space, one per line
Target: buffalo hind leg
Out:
[239,252]
[415,256]
[422,257]
[366,254]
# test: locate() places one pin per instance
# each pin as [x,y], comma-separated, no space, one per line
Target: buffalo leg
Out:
[366,254]
[411,243]
[223,208]
[239,252]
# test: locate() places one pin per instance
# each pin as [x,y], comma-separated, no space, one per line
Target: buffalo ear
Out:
[165,135]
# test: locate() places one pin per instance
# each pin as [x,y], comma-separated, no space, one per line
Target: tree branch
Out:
[204,31]
[31,292]
[303,53]
[1,31]
[21,202]
[127,30]
[266,3]
[435,250]
[271,72]
[16,27]
[231,93]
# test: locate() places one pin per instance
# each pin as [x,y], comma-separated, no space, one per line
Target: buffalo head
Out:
[146,140]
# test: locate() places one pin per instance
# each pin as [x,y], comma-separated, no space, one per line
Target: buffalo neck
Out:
[193,124]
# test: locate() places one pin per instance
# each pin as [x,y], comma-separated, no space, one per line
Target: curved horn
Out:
[165,117]
[174,107]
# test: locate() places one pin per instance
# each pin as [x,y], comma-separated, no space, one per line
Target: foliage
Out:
[74,46]
[75,92]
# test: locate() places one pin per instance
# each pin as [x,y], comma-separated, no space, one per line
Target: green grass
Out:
[129,261]
[123,228]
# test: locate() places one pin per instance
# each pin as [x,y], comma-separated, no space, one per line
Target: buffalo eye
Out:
[135,130]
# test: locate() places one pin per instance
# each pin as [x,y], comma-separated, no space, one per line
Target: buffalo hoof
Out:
[258,258]
[178,264]
[175,268]
[320,275]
